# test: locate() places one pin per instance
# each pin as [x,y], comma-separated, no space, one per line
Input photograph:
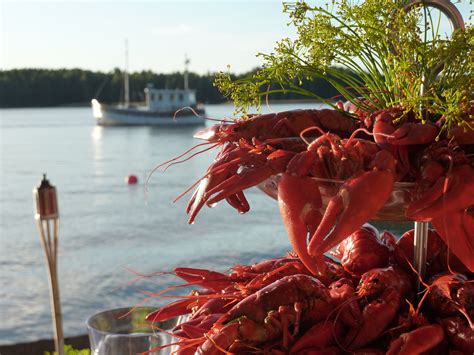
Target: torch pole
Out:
[50,247]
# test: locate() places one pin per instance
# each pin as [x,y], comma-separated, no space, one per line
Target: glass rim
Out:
[125,310]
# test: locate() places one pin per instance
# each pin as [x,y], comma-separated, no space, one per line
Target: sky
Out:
[91,34]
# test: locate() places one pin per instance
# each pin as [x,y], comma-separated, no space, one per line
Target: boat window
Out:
[180,97]
[160,97]
[172,97]
[152,97]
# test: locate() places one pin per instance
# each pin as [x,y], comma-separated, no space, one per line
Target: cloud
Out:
[175,30]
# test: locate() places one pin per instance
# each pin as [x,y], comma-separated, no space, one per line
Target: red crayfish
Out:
[302,145]
[362,305]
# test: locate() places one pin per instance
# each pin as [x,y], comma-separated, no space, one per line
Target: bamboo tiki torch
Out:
[47,220]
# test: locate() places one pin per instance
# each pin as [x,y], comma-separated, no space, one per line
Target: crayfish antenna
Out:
[173,161]
[357,131]
[309,129]
[190,157]
[197,115]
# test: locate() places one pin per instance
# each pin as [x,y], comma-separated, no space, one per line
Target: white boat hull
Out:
[116,116]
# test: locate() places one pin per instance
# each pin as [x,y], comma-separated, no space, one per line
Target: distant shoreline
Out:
[76,87]
[78,105]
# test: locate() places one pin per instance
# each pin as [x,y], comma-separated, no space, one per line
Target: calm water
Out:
[107,227]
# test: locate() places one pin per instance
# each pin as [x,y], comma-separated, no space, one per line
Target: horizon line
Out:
[130,72]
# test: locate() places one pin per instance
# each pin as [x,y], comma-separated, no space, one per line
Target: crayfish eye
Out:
[375,281]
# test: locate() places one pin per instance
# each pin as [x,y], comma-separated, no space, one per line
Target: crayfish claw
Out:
[358,199]
[299,200]
[411,133]
[354,205]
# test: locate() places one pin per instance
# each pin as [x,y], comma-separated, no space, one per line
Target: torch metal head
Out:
[46,203]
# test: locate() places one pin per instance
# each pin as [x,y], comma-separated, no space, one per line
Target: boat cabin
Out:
[169,100]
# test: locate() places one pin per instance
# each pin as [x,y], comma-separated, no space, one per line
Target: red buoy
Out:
[131,179]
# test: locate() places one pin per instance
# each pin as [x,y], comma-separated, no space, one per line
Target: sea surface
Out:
[111,233]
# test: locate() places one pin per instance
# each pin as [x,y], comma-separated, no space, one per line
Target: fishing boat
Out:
[164,107]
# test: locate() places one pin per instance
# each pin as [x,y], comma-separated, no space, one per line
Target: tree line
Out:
[61,87]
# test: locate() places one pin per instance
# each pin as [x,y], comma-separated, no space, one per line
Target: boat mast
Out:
[126,83]
[186,63]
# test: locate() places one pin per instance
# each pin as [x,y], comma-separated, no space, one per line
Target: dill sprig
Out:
[389,55]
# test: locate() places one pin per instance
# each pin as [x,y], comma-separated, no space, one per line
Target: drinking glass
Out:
[124,331]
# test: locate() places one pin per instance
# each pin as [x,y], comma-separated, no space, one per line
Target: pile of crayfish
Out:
[365,303]
[368,151]
[364,299]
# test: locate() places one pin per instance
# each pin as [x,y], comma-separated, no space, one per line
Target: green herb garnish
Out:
[389,54]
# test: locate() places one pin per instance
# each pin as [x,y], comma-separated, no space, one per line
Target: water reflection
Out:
[97,133]
[97,136]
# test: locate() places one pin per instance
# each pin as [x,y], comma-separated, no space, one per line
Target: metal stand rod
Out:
[421,228]
[420,248]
